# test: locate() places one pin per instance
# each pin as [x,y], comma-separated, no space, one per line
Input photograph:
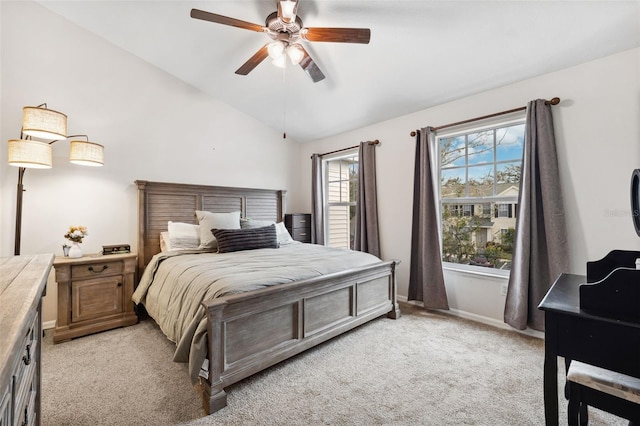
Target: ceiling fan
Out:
[286,31]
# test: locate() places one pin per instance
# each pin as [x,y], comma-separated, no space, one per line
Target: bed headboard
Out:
[160,202]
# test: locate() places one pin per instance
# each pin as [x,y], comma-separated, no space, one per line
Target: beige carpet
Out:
[425,368]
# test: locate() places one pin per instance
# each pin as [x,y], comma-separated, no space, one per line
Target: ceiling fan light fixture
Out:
[280,62]
[276,50]
[287,10]
[296,53]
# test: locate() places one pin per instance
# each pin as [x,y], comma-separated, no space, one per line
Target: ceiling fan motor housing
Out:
[277,25]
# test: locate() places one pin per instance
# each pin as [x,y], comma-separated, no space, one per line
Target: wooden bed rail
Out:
[252,331]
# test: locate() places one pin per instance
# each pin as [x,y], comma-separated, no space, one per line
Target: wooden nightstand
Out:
[94,294]
[299,226]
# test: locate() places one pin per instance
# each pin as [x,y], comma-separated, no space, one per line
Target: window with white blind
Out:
[340,189]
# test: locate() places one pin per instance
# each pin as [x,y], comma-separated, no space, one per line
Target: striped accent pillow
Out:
[230,240]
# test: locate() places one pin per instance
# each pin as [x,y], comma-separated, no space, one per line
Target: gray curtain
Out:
[426,279]
[540,246]
[366,232]
[317,208]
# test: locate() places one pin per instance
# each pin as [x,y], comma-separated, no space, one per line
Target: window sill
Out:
[476,270]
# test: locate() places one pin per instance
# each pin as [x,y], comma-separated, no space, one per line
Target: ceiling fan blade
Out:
[225,20]
[337,35]
[310,67]
[253,61]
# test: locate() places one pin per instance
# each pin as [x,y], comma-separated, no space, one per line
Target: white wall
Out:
[153,127]
[598,139]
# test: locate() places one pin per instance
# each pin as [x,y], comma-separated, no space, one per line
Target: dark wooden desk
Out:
[575,335]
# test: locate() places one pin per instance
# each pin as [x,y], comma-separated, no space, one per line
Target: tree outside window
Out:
[479,183]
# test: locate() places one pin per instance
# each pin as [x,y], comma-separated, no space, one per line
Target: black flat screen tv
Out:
[635,200]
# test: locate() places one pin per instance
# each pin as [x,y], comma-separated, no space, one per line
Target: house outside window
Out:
[340,189]
[479,175]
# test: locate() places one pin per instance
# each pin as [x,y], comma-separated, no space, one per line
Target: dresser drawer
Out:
[301,234]
[97,269]
[27,413]
[5,407]
[24,375]
[298,220]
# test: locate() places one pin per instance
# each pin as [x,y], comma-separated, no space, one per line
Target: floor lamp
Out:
[25,153]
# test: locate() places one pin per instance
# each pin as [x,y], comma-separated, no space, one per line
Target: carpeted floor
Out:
[425,368]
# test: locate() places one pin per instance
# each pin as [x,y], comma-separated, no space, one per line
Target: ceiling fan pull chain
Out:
[284,102]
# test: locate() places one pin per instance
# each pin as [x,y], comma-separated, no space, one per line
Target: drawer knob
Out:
[104,268]
[119,284]
[27,358]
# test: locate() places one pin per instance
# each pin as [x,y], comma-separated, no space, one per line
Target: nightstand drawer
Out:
[97,269]
[301,234]
[300,220]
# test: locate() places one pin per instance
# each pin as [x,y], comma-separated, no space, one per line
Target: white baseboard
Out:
[49,325]
[479,318]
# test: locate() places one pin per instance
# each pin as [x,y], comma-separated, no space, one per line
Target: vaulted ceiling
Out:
[421,53]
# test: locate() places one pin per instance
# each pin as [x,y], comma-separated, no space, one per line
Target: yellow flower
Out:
[76,233]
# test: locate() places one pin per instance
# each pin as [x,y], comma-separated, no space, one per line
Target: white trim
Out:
[491,123]
[476,270]
[46,325]
[479,318]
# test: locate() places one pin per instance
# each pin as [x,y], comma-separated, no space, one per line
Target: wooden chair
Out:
[607,390]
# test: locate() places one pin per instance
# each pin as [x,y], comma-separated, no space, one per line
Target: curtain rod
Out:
[553,101]
[376,142]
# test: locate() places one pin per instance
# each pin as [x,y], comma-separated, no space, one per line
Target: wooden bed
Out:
[252,331]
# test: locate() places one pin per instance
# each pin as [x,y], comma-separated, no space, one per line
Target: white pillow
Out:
[165,244]
[209,221]
[283,235]
[183,236]
[281,231]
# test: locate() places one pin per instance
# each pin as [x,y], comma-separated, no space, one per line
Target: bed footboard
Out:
[252,331]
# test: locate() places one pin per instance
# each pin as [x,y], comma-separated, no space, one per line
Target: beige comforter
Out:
[174,284]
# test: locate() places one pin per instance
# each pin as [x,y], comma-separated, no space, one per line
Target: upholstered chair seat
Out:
[607,390]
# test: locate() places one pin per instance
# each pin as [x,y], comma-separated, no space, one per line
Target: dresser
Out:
[23,280]
[299,226]
[94,294]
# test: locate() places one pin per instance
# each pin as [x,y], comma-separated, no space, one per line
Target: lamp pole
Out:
[20,190]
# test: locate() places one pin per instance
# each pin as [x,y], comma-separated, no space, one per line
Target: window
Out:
[479,182]
[340,188]
[504,210]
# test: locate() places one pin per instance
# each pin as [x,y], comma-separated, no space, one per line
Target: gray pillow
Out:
[230,240]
